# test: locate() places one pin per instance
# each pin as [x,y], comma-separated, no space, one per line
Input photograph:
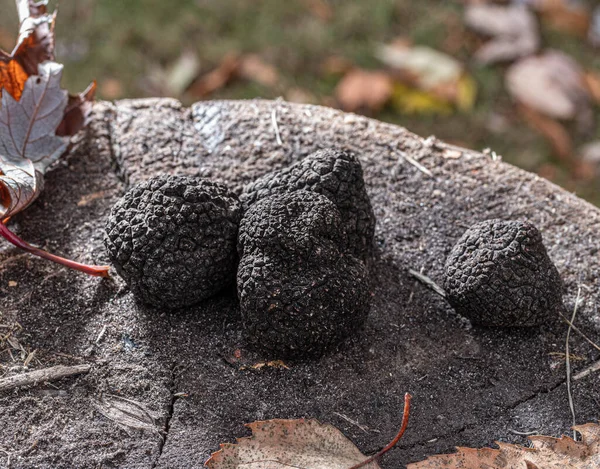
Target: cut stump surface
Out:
[166,388]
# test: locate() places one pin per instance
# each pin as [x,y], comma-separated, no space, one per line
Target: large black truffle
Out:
[300,295]
[499,274]
[173,239]
[337,175]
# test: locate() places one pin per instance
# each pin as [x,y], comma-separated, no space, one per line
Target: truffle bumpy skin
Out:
[499,274]
[300,296]
[337,175]
[173,239]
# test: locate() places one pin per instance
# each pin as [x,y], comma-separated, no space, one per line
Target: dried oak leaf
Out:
[281,444]
[547,453]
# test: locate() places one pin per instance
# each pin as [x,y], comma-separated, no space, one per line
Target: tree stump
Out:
[166,388]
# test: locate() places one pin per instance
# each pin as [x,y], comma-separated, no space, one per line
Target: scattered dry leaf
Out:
[565,15]
[513,29]
[301,444]
[217,78]
[552,83]
[336,65]
[552,130]
[182,73]
[302,96]
[590,152]
[281,444]
[364,90]
[320,9]
[547,453]
[111,88]
[127,413]
[427,80]
[592,80]
[253,67]
[77,112]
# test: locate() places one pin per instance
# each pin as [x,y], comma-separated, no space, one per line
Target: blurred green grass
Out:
[121,43]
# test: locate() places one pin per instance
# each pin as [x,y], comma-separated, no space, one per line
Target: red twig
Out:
[406,414]
[97,271]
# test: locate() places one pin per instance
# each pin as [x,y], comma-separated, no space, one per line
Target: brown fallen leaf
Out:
[364,90]
[301,444]
[592,81]
[320,9]
[513,29]
[299,95]
[77,112]
[253,67]
[427,80]
[552,84]
[336,65]
[565,15]
[217,78]
[547,453]
[552,130]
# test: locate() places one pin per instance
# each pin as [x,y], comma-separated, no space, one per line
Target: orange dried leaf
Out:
[592,81]
[552,130]
[12,77]
[364,90]
[565,15]
[217,78]
[253,67]
[34,46]
[547,452]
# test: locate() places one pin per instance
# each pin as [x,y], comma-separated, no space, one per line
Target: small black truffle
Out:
[499,274]
[337,175]
[300,296]
[173,239]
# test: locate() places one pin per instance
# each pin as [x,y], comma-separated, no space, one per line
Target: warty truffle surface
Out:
[336,174]
[300,295]
[499,274]
[173,239]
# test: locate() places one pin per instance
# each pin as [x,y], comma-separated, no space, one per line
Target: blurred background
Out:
[519,77]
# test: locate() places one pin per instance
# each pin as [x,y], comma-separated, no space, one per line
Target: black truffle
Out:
[337,175]
[173,239]
[300,296]
[499,274]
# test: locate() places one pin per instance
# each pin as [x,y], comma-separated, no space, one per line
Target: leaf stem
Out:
[96,271]
[406,414]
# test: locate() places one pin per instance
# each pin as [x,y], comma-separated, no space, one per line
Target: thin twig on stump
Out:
[32,378]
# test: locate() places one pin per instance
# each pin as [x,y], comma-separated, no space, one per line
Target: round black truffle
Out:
[337,175]
[173,239]
[300,295]
[499,274]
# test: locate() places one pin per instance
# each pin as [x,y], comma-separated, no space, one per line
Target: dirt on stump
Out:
[165,388]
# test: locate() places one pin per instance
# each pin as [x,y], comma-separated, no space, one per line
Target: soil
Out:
[167,387]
